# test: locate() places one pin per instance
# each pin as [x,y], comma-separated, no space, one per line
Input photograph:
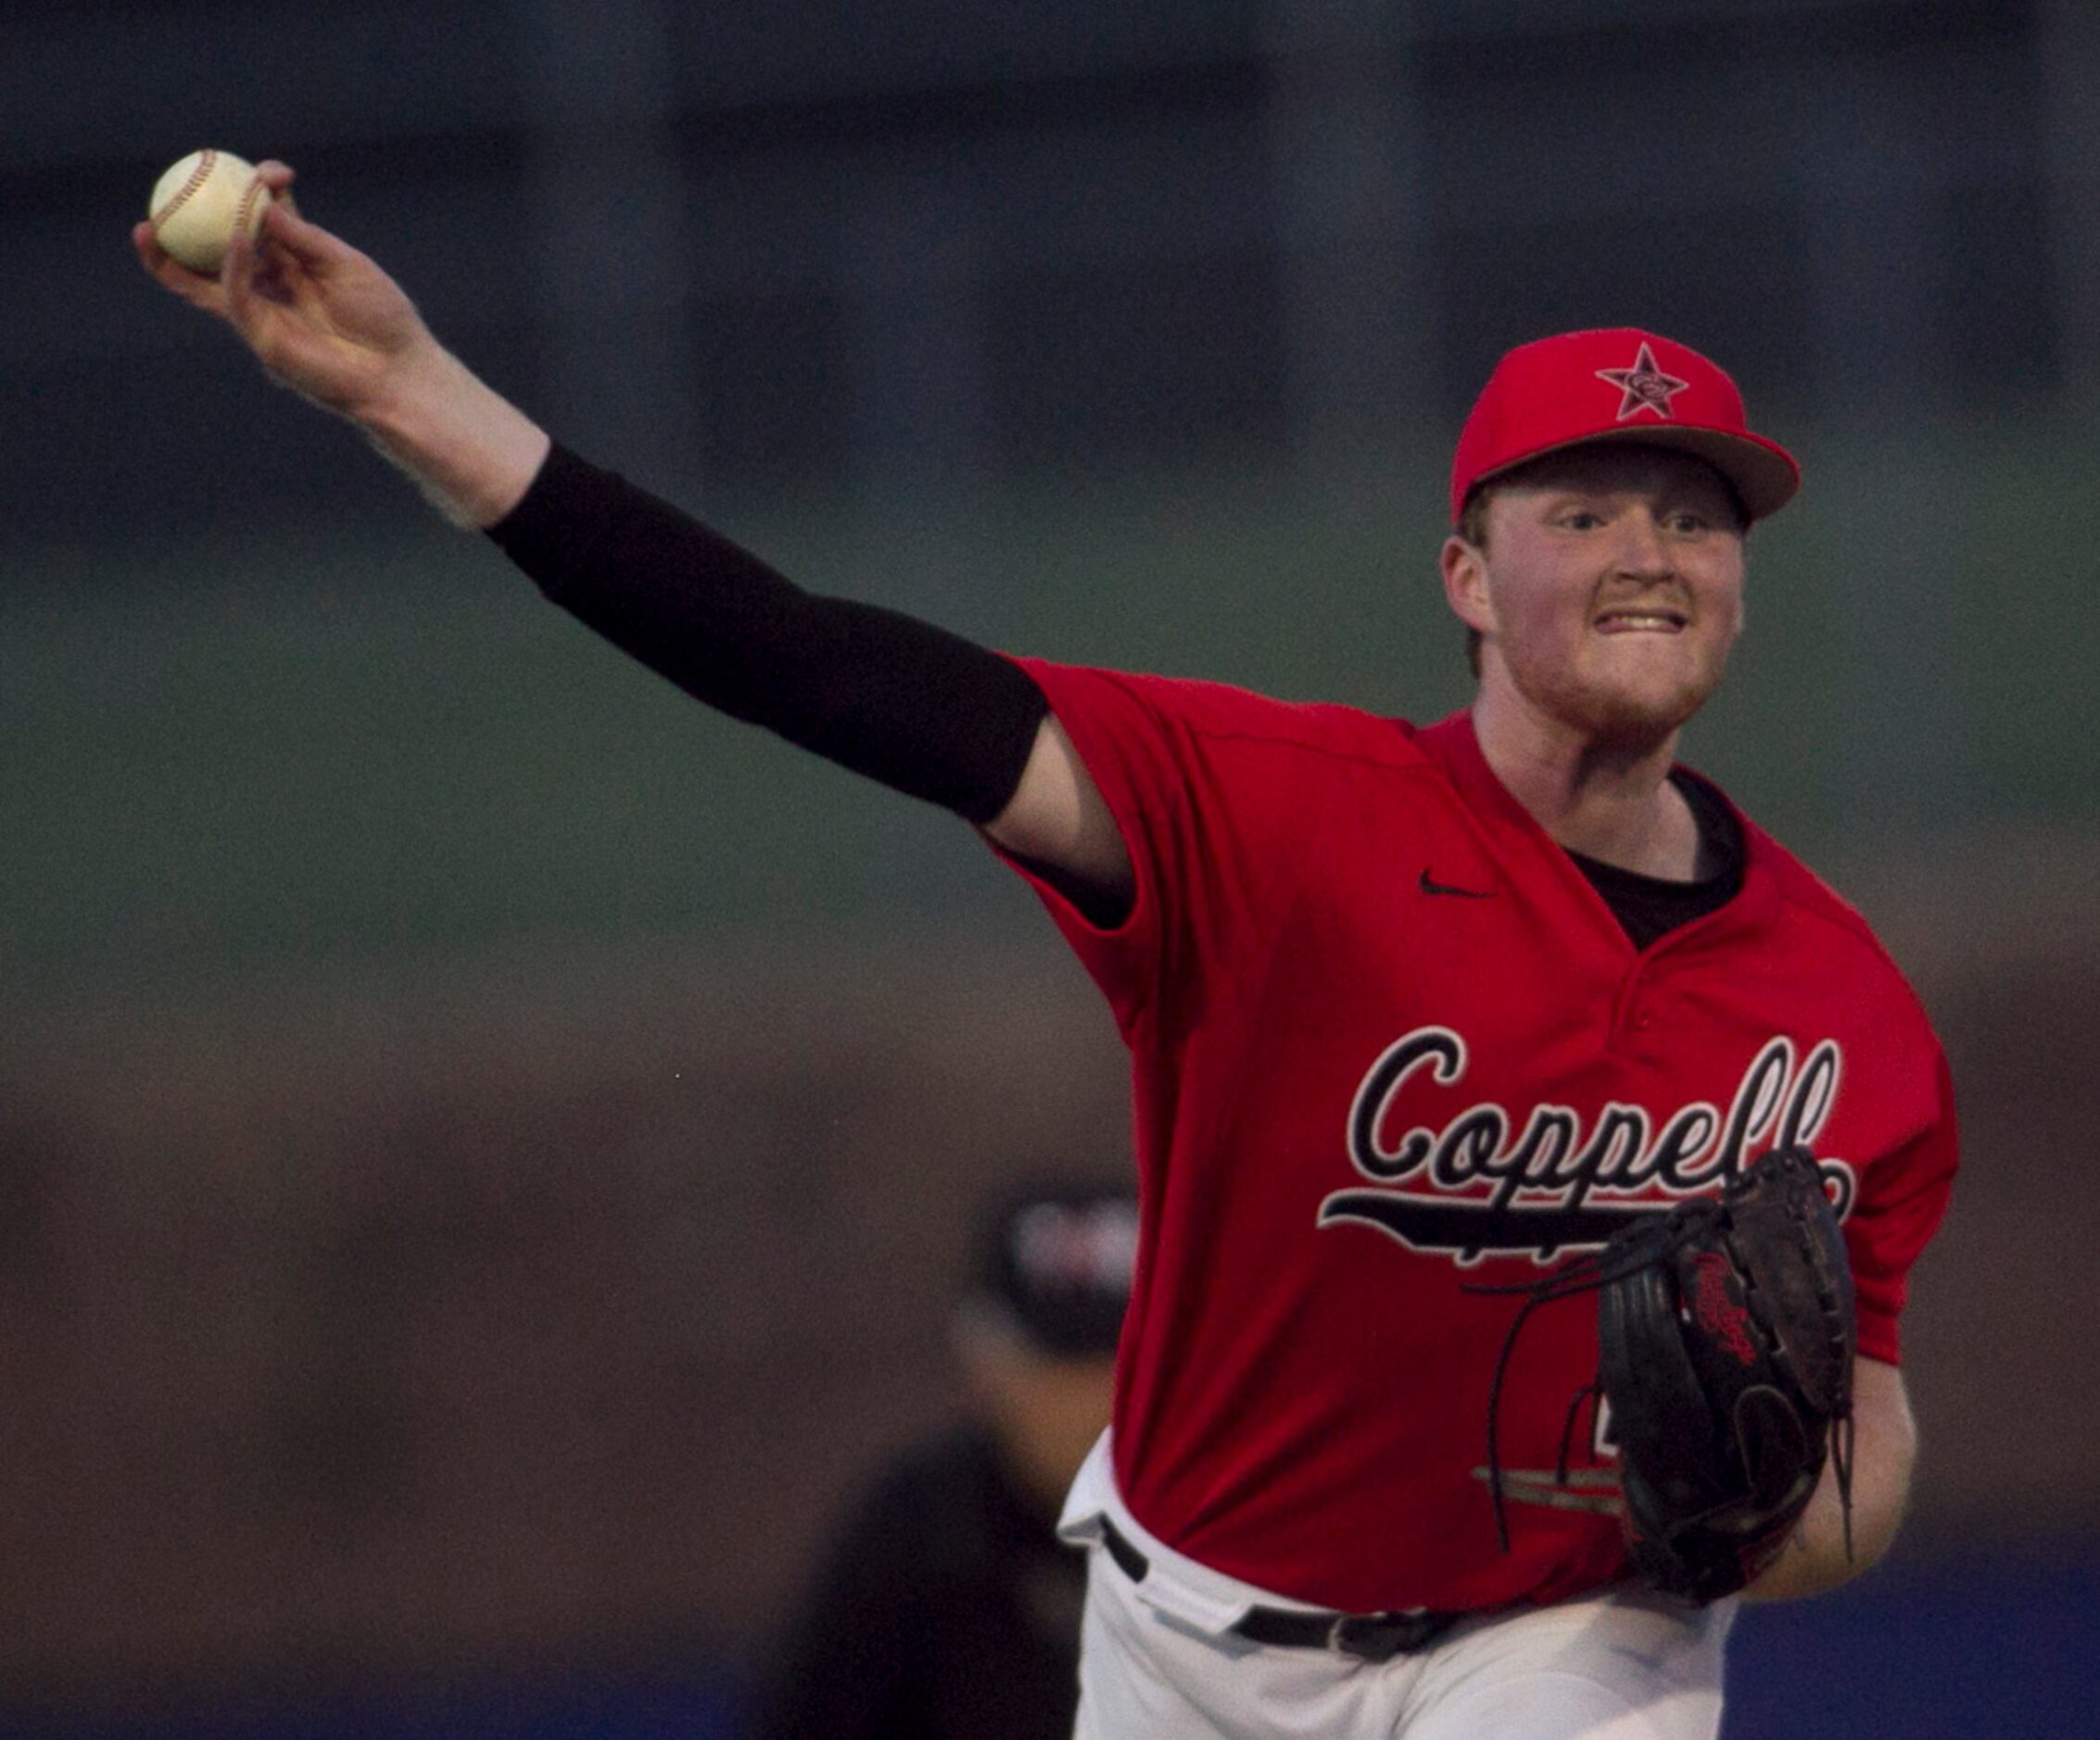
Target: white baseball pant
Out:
[1159,1660]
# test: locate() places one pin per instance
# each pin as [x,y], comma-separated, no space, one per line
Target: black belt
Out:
[1368,1636]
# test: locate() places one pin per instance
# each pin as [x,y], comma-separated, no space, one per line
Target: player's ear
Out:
[1465,583]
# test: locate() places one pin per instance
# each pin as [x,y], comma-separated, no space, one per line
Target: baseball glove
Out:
[1725,1333]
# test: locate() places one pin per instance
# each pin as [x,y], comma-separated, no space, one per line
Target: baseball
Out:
[200,202]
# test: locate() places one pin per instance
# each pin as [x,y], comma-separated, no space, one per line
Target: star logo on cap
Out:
[1645,385]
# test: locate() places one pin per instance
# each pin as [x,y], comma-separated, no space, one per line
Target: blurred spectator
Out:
[945,1606]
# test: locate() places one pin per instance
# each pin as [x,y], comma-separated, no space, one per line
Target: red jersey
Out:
[1389,1043]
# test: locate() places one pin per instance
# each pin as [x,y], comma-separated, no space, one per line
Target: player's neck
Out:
[1611,803]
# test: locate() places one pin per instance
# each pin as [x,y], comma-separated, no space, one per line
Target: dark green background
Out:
[293,745]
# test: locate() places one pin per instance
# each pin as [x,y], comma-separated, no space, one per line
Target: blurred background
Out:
[487,1148]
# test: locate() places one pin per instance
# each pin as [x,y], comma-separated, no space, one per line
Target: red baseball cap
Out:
[1617,383]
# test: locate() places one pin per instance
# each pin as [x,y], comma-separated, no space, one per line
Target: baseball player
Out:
[1415,1011]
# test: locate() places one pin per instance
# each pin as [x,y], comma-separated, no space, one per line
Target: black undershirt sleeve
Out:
[923,710]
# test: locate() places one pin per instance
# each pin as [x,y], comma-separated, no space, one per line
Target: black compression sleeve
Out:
[923,710]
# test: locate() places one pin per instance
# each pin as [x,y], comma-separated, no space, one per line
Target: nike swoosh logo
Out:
[1429,885]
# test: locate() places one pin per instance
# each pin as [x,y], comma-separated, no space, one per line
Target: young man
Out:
[1412,1011]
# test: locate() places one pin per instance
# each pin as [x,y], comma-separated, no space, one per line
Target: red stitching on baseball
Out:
[198,176]
[245,209]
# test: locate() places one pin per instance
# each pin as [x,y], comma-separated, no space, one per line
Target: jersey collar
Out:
[1454,746]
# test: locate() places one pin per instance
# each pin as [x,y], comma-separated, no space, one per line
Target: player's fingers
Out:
[278,178]
[170,274]
[253,278]
[307,243]
[237,283]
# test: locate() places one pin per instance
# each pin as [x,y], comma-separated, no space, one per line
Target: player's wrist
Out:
[469,448]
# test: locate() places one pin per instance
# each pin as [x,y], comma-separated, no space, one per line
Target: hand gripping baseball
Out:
[323,318]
